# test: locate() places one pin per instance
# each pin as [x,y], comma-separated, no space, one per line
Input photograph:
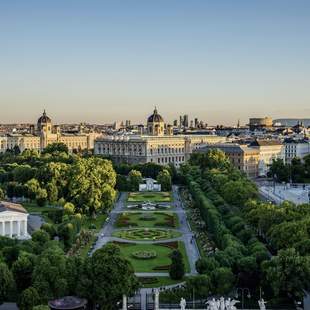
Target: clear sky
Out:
[101,61]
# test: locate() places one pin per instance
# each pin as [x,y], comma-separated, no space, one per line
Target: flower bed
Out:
[146,234]
[144,254]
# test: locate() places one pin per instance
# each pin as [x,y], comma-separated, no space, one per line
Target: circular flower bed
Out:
[146,234]
[144,254]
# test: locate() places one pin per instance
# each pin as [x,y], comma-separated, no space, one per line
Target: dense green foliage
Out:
[41,271]
[177,268]
[257,243]
[55,177]
[298,171]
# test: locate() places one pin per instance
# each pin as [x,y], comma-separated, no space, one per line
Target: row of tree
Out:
[236,220]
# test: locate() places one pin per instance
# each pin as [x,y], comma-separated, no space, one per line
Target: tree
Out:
[23,173]
[41,197]
[58,147]
[177,268]
[288,272]
[92,184]
[33,186]
[49,275]
[201,285]
[1,194]
[22,271]
[223,280]
[212,159]
[52,192]
[297,170]
[206,265]
[106,276]
[40,238]
[239,192]
[69,208]
[279,170]
[164,179]
[135,178]
[6,282]
[28,299]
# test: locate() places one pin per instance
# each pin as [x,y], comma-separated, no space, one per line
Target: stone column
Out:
[2,228]
[18,228]
[25,228]
[124,302]
[11,229]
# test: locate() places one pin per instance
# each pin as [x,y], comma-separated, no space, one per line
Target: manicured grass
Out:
[97,222]
[32,207]
[149,196]
[147,219]
[146,234]
[160,281]
[161,260]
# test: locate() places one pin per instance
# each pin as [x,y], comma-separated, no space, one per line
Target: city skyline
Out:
[109,62]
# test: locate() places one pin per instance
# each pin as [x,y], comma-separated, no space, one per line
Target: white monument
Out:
[149,185]
[13,220]
[222,304]
[262,304]
[183,303]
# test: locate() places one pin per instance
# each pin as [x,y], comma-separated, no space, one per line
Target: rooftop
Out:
[9,206]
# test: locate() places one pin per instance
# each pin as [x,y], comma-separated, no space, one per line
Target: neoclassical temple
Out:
[156,144]
[13,220]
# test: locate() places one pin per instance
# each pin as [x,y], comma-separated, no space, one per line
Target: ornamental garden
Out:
[148,239]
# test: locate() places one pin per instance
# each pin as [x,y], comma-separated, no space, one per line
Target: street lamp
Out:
[242,291]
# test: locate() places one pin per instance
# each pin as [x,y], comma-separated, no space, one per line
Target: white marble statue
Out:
[261,304]
[222,303]
[156,303]
[212,305]
[183,303]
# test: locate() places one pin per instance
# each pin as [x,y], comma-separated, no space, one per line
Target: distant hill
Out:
[292,121]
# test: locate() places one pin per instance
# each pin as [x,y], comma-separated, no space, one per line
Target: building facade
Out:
[269,150]
[295,149]
[242,157]
[157,145]
[44,134]
[13,220]
[260,123]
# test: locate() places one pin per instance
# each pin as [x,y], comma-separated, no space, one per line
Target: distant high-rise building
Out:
[192,124]
[185,120]
[196,122]
[175,123]
[181,121]
[128,123]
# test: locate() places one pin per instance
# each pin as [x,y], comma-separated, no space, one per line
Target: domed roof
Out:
[44,118]
[155,117]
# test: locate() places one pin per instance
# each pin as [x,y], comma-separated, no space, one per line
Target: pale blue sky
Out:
[101,61]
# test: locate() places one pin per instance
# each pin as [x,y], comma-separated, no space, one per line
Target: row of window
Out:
[169,159]
[167,150]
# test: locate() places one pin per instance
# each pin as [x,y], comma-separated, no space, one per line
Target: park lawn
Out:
[147,219]
[33,208]
[148,265]
[149,197]
[160,281]
[88,222]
